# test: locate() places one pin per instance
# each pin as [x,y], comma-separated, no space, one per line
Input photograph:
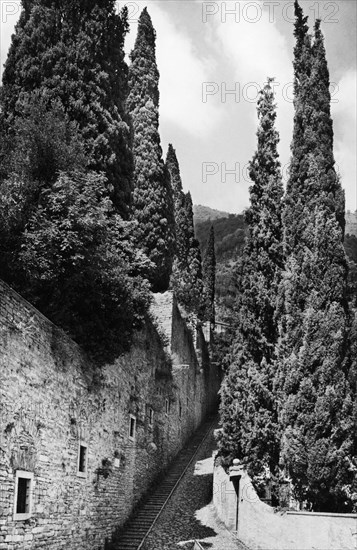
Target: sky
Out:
[213,59]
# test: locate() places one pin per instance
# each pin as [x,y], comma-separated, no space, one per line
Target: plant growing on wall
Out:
[81,267]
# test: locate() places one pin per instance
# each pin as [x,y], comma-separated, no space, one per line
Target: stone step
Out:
[139,525]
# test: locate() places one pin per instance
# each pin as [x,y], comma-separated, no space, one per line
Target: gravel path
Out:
[189,515]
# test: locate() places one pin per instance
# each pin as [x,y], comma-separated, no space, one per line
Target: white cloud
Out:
[182,72]
[257,50]
[344,109]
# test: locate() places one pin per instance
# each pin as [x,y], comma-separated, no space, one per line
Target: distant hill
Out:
[230,230]
[204,213]
[229,234]
[229,241]
[351,223]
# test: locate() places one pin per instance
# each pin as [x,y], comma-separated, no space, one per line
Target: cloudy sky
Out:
[213,58]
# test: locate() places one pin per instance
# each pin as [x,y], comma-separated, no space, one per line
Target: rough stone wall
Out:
[52,399]
[198,381]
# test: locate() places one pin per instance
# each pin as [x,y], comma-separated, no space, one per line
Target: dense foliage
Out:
[63,245]
[248,408]
[152,198]
[289,396]
[66,174]
[44,142]
[209,277]
[79,133]
[288,399]
[81,268]
[181,228]
[186,279]
[72,52]
[313,368]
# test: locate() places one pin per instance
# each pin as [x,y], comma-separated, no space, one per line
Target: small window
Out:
[23,495]
[82,460]
[167,406]
[180,409]
[132,427]
[151,416]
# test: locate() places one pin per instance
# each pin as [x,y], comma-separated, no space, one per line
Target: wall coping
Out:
[50,325]
[31,306]
[322,514]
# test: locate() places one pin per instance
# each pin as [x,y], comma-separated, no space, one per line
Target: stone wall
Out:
[261,528]
[52,400]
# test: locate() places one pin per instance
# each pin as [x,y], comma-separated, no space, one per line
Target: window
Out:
[180,409]
[132,427]
[167,406]
[151,416]
[23,495]
[82,460]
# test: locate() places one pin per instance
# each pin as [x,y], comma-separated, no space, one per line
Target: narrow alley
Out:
[187,515]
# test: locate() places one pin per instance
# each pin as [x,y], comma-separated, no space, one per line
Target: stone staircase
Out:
[138,527]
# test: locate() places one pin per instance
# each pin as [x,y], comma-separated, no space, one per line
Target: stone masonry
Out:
[54,404]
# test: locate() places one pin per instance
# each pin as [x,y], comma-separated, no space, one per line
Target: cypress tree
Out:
[73,52]
[181,220]
[248,408]
[315,408]
[152,197]
[194,274]
[209,276]
[186,279]
[176,182]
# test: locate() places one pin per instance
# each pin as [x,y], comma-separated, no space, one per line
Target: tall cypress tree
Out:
[193,274]
[248,407]
[315,395]
[152,197]
[176,182]
[186,279]
[181,221]
[73,52]
[209,276]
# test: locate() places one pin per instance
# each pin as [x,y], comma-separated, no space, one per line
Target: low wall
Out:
[260,528]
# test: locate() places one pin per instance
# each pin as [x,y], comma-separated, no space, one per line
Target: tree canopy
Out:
[313,367]
[152,197]
[73,53]
[248,407]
